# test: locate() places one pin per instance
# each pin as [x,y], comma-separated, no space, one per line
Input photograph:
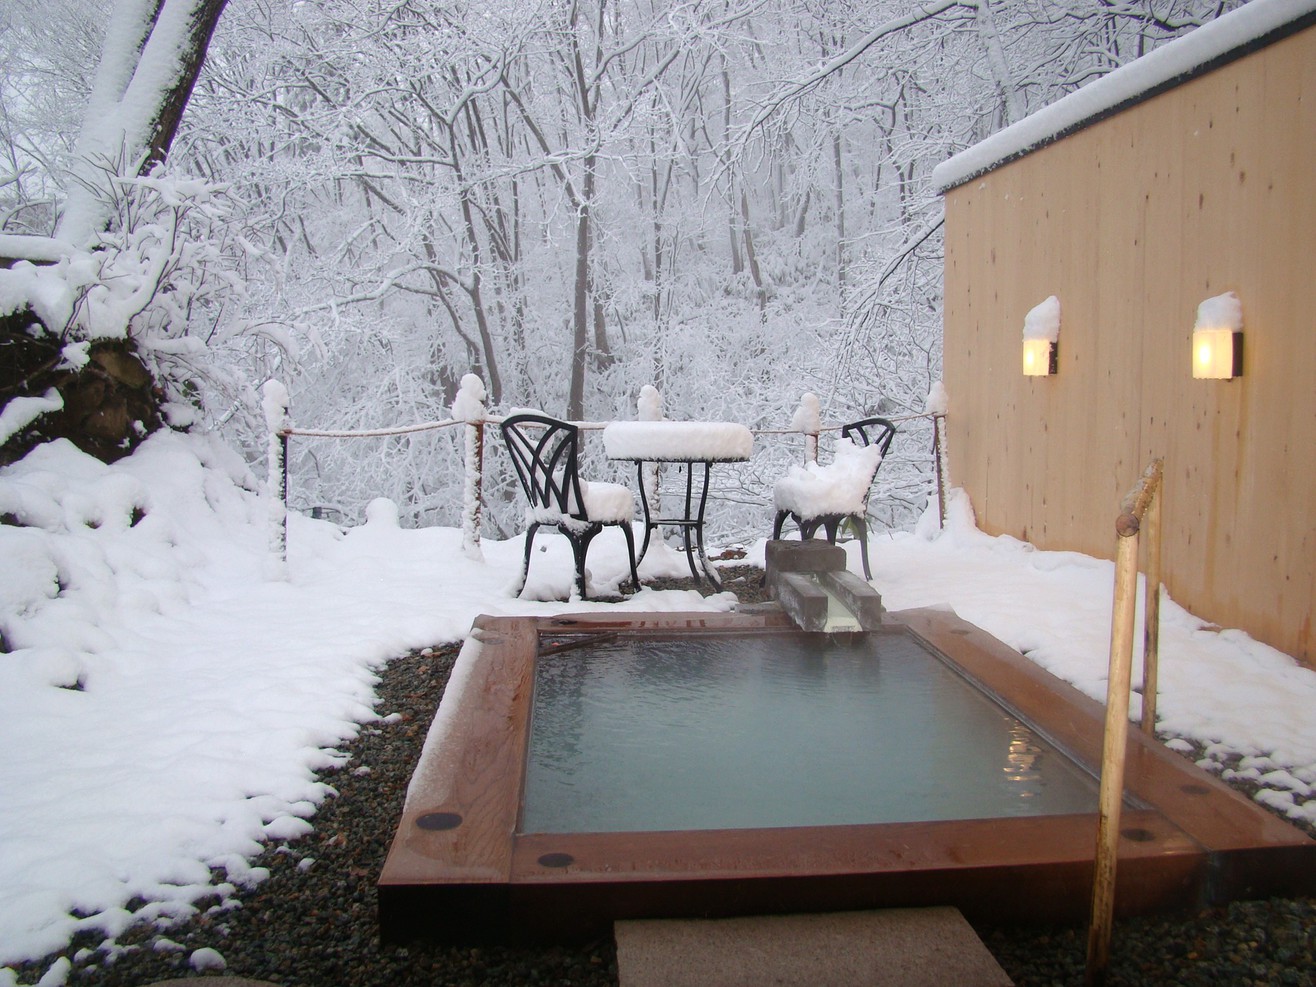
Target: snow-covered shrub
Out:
[132,331]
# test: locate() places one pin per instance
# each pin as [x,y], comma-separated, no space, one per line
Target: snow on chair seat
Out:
[813,491]
[815,496]
[610,503]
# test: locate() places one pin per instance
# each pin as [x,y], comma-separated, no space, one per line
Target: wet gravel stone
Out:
[313,922]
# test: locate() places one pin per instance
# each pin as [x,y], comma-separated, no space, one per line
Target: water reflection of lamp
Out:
[1041,331]
[1218,338]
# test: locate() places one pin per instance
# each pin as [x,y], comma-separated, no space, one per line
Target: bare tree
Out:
[152,55]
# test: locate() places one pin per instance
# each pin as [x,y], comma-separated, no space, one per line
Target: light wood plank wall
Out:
[1131,222]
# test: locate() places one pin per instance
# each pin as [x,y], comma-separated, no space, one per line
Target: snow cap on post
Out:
[937,400]
[275,402]
[468,405]
[649,407]
[808,416]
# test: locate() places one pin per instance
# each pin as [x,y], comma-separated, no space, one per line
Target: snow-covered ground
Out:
[167,695]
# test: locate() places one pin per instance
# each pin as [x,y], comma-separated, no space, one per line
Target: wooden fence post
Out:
[649,408]
[808,420]
[278,420]
[938,457]
[468,406]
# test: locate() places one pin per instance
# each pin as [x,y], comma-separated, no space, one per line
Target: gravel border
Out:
[313,922]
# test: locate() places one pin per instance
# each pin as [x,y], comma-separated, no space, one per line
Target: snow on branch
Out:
[801,86]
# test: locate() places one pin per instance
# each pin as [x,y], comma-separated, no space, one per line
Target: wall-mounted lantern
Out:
[1041,332]
[1218,338]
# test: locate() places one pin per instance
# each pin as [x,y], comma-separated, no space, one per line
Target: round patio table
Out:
[694,446]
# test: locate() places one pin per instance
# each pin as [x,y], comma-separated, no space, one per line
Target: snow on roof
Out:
[1251,26]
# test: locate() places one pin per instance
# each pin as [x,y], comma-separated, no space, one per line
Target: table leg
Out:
[644,503]
[690,522]
[699,527]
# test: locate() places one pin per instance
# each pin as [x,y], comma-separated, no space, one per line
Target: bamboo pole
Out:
[1139,512]
[1151,625]
[1112,759]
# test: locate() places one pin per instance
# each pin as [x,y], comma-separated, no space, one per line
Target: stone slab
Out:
[811,555]
[858,596]
[897,947]
[804,600]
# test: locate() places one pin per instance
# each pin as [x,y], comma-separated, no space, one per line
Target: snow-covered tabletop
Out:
[678,442]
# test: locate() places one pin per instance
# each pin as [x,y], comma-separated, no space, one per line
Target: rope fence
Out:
[469,410]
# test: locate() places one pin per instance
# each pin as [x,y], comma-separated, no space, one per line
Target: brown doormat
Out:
[894,947]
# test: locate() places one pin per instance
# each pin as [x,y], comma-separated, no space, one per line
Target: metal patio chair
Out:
[827,496]
[545,454]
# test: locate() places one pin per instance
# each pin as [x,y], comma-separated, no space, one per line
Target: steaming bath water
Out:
[725,732]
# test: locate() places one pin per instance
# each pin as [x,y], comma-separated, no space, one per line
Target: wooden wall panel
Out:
[1133,221]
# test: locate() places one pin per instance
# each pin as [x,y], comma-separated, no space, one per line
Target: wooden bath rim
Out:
[458,870]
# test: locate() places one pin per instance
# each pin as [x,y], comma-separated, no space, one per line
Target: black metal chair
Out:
[545,454]
[828,496]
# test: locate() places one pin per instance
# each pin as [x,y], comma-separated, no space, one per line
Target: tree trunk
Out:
[580,310]
[750,255]
[134,114]
[200,29]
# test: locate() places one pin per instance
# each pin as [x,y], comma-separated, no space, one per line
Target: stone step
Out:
[891,947]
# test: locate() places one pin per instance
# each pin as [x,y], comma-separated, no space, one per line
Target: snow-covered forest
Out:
[368,199]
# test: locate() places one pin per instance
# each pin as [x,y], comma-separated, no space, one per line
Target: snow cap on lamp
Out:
[1218,338]
[1041,332]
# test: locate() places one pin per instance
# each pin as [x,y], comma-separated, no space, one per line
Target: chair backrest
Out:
[872,432]
[544,453]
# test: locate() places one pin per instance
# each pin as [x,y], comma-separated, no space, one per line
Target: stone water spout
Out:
[810,581]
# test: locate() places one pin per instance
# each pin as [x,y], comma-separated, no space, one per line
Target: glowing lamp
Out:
[1218,338]
[1039,357]
[1041,330]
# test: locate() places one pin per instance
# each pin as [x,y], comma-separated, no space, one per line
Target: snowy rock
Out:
[21,412]
[382,512]
[206,958]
